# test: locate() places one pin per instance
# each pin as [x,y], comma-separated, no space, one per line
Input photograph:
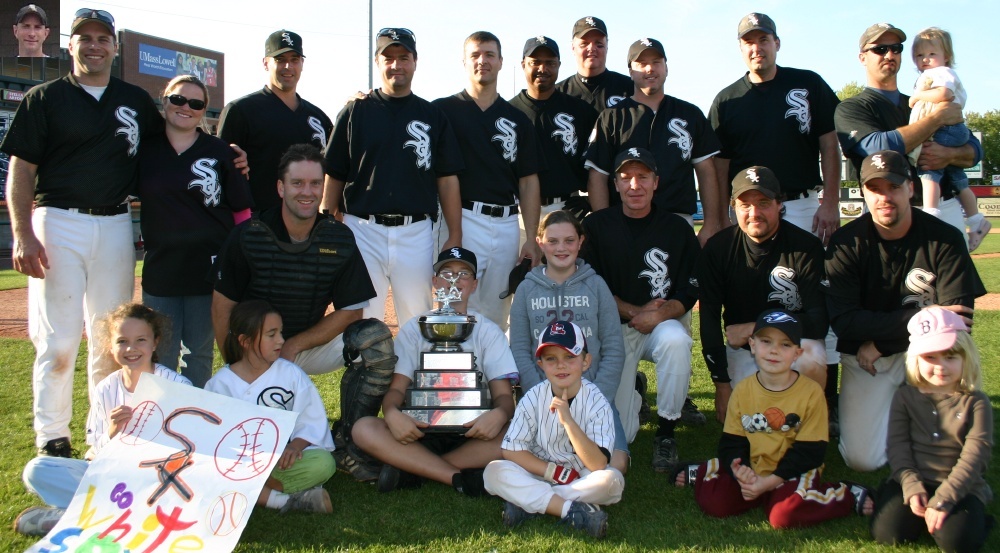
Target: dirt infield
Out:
[14,312]
[14,309]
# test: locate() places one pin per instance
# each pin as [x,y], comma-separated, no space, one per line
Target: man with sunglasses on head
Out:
[265,123]
[73,147]
[392,155]
[878,118]
[562,124]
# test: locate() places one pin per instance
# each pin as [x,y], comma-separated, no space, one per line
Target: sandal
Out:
[690,471]
[860,493]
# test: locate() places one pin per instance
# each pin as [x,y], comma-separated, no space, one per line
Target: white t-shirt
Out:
[282,386]
[933,78]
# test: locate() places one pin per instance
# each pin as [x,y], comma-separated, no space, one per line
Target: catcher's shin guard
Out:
[369,360]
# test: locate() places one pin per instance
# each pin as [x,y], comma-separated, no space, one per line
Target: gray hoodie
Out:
[583,299]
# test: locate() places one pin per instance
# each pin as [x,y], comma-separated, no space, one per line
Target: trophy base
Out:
[445,420]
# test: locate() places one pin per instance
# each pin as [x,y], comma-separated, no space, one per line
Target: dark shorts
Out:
[439,444]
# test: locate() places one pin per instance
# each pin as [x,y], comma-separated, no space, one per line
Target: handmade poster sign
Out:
[184,474]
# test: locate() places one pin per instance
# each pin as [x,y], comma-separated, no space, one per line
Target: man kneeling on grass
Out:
[400,442]
[558,446]
[774,441]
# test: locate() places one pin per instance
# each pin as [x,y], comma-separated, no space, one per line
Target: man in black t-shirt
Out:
[594,83]
[763,263]
[265,123]
[562,124]
[675,131]
[73,147]
[780,118]
[502,161]
[882,268]
[392,155]
[647,256]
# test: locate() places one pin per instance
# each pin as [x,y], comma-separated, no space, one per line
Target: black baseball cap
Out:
[86,15]
[643,44]
[641,155]
[782,321]
[887,164]
[283,41]
[31,9]
[872,33]
[456,254]
[756,22]
[757,178]
[395,35]
[590,23]
[565,335]
[534,43]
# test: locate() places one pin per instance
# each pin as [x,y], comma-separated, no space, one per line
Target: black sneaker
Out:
[59,447]
[690,415]
[665,457]
[469,482]
[642,386]
[514,516]
[391,478]
[355,462]
[587,517]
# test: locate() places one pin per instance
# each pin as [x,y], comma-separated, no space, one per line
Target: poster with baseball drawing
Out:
[182,476]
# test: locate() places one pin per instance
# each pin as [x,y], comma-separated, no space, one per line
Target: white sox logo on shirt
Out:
[613,100]
[682,138]
[287,39]
[277,397]
[126,116]
[785,289]
[421,143]
[507,138]
[920,282]
[877,161]
[320,134]
[566,132]
[208,181]
[658,273]
[798,102]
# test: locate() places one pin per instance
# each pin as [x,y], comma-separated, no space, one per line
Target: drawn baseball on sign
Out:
[246,450]
[145,424]
[226,513]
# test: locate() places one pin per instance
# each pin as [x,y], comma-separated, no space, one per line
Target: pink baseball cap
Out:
[934,329]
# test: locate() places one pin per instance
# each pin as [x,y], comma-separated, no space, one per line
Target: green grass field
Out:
[653,515]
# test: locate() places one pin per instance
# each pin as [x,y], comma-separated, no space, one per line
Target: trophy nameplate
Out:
[447,361]
[445,398]
[446,420]
[425,379]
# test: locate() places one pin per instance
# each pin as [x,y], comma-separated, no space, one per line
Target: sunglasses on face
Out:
[178,100]
[96,14]
[392,31]
[881,49]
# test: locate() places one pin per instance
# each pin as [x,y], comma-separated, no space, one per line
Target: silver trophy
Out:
[447,390]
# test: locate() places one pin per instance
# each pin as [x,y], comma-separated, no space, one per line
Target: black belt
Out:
[490,209]
[394,220]
[556,200]
[102,211]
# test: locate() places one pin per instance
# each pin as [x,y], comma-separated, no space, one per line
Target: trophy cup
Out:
[447,391]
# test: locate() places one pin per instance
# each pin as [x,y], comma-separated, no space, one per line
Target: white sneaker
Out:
[37,521]
[979,227]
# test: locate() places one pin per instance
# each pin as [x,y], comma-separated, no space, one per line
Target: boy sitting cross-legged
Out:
[774,441]
[557,448]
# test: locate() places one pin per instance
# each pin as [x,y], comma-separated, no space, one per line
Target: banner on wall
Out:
[167,63]
[183,476]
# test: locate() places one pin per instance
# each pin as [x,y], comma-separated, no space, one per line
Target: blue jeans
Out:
[953,177]
[191,324]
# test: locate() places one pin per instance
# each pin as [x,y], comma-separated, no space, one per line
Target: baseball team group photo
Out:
[588,315]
